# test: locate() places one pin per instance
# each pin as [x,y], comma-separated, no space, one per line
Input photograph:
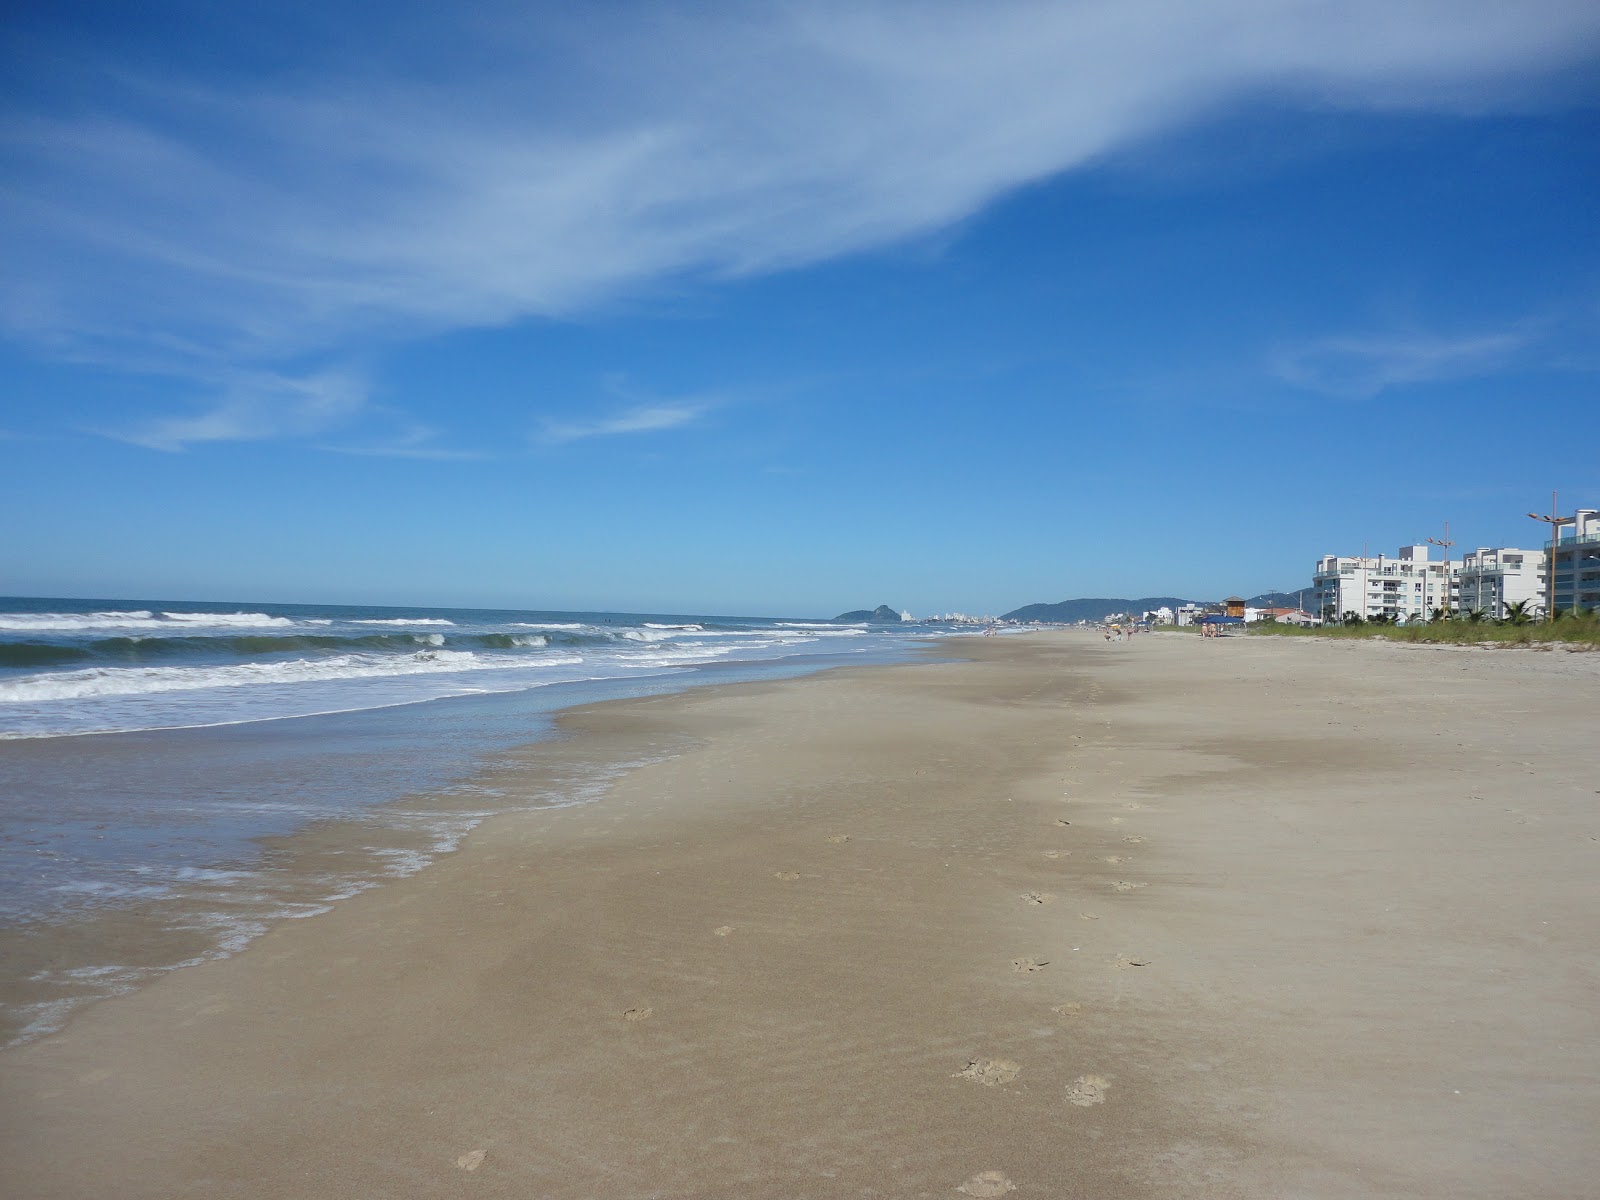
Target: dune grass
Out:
[1574,630]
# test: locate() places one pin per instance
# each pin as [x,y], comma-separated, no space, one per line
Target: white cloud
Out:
[1359,368]
[646,419]
[254,406]
[549,163]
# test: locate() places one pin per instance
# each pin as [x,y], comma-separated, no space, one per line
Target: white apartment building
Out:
[1189,614]
[1575,559]
[1492,579]
[1408,586]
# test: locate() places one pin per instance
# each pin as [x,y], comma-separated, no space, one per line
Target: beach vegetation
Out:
[1519,627]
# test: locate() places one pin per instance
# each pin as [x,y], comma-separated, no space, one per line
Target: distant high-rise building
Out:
[1575,561]
[1492,579]
[1407,587]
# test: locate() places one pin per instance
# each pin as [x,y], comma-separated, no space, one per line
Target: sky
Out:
[787,308]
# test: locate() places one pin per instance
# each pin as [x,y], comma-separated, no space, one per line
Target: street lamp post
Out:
[1555,521]
[1445,585]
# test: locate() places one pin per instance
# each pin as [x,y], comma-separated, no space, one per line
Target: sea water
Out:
[150,750]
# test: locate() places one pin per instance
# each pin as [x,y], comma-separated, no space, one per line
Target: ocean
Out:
[176,775]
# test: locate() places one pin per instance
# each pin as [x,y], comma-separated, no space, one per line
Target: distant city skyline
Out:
[787,310]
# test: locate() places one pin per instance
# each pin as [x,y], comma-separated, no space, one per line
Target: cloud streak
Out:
[1361,368]
[546,165]
[654,418]
[256,406]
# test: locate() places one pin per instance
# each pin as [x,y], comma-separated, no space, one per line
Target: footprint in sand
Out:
[1122,885]
[986,1185]
[1063,821]
[471,1160]
[1115,858]
[1087,1089]
[838,838]
[1089,916]
[638,1014]
[989,1071]
[1070,1009]
[1038,897]
[1133,839]
[1024,965]
[1117,820]
[1055,853]
[786,876]
[723,930]
[1133,806]
[1122,962]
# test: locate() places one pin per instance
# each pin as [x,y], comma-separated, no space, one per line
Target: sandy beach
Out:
[1233,918]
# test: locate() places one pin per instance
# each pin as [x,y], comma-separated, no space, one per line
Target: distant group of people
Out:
[1115,633]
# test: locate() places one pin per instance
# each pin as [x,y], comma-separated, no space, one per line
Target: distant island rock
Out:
[883,613]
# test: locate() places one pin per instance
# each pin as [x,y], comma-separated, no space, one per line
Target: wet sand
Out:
[1169,918]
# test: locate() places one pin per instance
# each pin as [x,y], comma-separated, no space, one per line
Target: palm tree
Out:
[1517,612]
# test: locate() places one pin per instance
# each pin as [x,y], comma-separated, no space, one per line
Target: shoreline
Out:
[1160,918]
[239,884]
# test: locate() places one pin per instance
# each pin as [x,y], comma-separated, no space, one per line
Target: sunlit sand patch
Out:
[1087,1089]
[986,1185]
[989,1071]
[786,876]
[723,930]
[638,1014]
[837,838]
[1123,885]
[471,1160]
[1070,1009]
[1115,858]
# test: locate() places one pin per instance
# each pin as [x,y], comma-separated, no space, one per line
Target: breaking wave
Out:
[125,681]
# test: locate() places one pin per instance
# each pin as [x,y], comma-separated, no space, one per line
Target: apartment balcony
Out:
[1590,539]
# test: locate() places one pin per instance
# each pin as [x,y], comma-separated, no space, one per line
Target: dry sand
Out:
[1171,918]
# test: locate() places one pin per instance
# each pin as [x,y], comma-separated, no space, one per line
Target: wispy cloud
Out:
[255,406]
[546,164]
[412,440]
[652,418]
[1360,368]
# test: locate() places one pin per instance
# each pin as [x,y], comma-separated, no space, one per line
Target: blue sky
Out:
[787,308]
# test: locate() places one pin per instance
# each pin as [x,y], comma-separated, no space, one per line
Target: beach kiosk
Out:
[1234,607]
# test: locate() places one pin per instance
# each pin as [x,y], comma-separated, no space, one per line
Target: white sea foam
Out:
[685,628]
[530,639]
[820,625]
[428,639]
[137,619]
[238,620]
[646,635]
[681,657]
[548,625]
[125,681]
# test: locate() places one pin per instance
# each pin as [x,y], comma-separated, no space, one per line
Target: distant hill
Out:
[1090,608]
[882,613]
[1281,599]
[1097,608]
